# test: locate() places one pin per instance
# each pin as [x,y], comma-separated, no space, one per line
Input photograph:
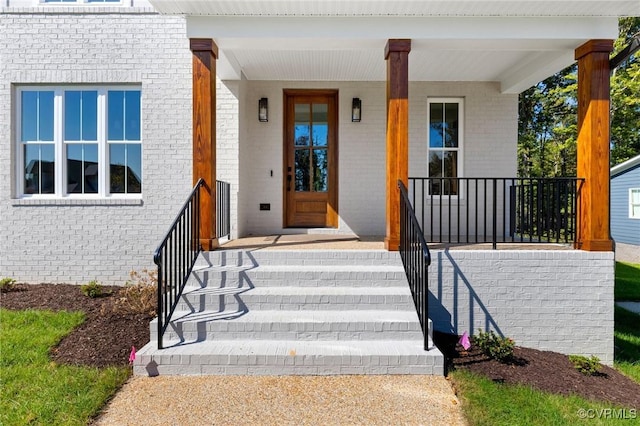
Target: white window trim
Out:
[60,144]
[631,191]
[460,149]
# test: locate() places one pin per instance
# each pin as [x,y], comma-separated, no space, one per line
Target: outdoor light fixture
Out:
[356,110]
[263,109]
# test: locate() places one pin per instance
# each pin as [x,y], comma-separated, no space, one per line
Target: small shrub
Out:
[7,284]
[494,346]
[587,366]
[139,294]
[93,289]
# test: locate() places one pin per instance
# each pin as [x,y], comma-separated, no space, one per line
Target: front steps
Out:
[279,312]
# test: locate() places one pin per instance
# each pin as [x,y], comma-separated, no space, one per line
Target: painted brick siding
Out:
[623,228]
[550,300]
[489,147]
[76,241]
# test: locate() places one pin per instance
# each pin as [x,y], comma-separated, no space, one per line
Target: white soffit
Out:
[596,8]
[516,52]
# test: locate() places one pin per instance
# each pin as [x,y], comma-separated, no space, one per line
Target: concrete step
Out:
[290,325]
[284,357]
[293,312]
[235,257]
[220,299]
[299,275]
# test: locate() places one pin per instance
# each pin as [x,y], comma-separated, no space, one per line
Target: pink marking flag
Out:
[464,341]
[132,355]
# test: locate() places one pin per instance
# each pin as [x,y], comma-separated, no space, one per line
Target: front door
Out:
[310,164]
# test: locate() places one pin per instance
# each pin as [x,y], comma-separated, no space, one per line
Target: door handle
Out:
[288,182]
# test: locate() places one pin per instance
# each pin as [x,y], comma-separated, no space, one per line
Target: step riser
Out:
[252,330]
[290,365]
[273,278]
[212,302]
[310,257]
[171,337]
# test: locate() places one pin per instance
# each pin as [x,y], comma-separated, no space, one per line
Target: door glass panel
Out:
[302,126]
[320,124]
[302,134]
[320,182]
[302,170]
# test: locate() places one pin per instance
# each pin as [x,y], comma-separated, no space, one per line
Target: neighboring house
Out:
[625,202]
[111,110]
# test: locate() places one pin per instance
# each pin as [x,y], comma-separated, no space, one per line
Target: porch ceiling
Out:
[516,43]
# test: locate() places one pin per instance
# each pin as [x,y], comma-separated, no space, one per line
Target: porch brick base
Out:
[560,300]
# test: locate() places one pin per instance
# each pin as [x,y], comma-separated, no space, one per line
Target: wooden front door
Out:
[310,163]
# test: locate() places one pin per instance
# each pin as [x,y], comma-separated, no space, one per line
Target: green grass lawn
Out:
[35,390]
[487,403]
[627,281]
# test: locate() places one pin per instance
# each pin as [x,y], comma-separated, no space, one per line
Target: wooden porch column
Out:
[593,144]
[396,53]
[205,53]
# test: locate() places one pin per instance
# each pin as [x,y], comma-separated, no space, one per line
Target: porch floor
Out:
[355,242]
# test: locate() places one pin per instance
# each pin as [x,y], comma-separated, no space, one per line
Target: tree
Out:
[625,98]
[547,123]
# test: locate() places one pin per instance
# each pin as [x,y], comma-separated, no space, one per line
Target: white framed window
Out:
[79,141]
[445,136]
[634,203]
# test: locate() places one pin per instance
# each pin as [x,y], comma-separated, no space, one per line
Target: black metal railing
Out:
[223,209]
[416,259]
[175,257]
[493,210]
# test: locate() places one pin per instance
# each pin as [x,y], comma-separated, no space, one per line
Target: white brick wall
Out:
[76,241]
[489,147]
[549,300]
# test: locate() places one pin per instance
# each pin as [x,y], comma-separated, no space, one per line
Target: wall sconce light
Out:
[263,109]
[356,110]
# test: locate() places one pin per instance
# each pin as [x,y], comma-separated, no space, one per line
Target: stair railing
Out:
[175,257]
[416,259]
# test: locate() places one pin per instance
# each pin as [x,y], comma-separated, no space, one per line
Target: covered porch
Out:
[319,114]
[394,67]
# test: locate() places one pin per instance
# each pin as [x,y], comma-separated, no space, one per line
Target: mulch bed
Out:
[106,336]
[543,370]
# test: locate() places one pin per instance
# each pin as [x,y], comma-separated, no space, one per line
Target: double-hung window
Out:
[445,137]
[79,141]
[634,203]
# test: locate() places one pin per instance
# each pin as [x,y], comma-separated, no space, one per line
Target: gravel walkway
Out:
[289,400]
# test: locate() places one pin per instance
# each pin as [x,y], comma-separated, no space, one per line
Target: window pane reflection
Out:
[80,115]
[39,168]
[125,168]
[302,177]
[115,107]
[320,182]
[436,125]
[82,168]
[132,115]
